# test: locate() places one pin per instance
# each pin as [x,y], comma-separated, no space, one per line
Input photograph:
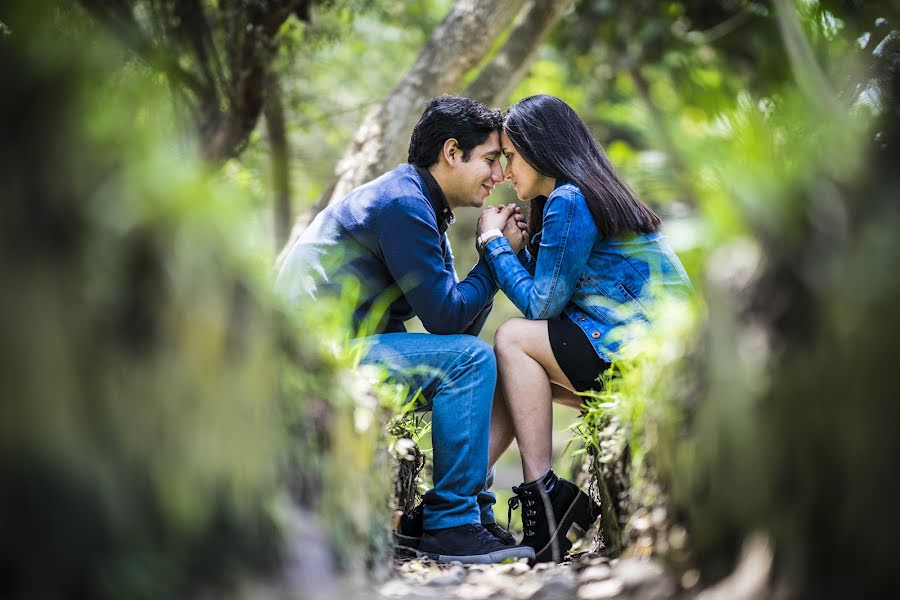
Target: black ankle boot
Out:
[547,516]
[408,534]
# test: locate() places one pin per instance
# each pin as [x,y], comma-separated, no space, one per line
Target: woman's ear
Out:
[451,151]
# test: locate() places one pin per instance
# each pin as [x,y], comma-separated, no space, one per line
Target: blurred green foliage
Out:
[160,408]
[768,414]
[136,348]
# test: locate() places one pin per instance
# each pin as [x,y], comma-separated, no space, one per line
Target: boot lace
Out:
[526,499]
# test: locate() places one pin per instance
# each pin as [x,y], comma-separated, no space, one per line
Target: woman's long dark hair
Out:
[553,139]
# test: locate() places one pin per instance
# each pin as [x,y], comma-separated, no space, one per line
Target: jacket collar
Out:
[439,203]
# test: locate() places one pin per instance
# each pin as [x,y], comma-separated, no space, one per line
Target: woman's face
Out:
[527,182]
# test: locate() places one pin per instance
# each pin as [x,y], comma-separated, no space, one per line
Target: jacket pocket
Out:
[630,295]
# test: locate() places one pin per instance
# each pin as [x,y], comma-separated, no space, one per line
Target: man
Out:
[388,239]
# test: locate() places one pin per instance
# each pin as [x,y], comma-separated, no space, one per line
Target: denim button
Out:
[595,335]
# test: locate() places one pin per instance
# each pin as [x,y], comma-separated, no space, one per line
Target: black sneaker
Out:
[501,534]
[409,531]
[469,544]
[547,517]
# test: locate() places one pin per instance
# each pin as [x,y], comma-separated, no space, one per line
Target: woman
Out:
[596,263]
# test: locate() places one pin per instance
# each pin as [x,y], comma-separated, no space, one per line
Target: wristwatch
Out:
[484,238]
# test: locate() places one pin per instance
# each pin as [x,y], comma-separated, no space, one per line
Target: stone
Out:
[445,579]
[396,589]
[598,590]
[468,591]
[596,573]
[559,588]
[644,579]
[586,578]
[635,573]
[516,568]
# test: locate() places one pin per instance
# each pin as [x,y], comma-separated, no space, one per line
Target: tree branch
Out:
[226,104]
[810,78]
[119,19]
[497,79]
[248,74]
[456,46]
[280,160]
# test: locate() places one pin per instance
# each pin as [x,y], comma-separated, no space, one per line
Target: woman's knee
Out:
[508,337]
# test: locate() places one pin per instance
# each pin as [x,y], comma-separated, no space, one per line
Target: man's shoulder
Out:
[405,177]
[398,190]
[402,182]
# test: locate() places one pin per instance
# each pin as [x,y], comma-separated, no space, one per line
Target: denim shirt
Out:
[601,284]
[383,241]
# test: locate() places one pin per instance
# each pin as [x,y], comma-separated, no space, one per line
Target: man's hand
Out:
[494,217]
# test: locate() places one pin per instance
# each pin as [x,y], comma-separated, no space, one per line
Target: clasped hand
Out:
[509,220]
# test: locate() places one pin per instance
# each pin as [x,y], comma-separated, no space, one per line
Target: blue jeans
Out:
[457,375]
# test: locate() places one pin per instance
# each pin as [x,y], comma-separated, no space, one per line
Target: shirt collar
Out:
[439,203]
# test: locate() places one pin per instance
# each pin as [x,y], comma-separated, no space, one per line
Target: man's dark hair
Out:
[468,121]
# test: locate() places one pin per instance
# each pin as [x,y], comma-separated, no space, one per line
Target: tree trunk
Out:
[456,46]
[280,157]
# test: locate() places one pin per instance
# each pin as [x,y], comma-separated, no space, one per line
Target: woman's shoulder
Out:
[565,193]
[568,204]
[566,189]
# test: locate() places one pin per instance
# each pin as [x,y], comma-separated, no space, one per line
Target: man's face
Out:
[473,180]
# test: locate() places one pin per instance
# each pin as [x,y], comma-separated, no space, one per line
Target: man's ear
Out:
[451,151]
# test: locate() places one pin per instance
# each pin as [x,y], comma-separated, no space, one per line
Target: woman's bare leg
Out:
[502,432]
[527,372]
[566,397]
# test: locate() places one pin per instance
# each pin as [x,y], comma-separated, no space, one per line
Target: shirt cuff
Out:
[497,246]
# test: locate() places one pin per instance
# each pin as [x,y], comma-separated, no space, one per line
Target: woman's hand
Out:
[516,230]
[494,217]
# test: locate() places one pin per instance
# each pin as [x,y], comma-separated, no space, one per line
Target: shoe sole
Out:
[409,544]
[481,559]
[406,546]
[407,541]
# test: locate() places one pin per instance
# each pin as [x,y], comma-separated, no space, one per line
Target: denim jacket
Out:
[385,242]
[600,284]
